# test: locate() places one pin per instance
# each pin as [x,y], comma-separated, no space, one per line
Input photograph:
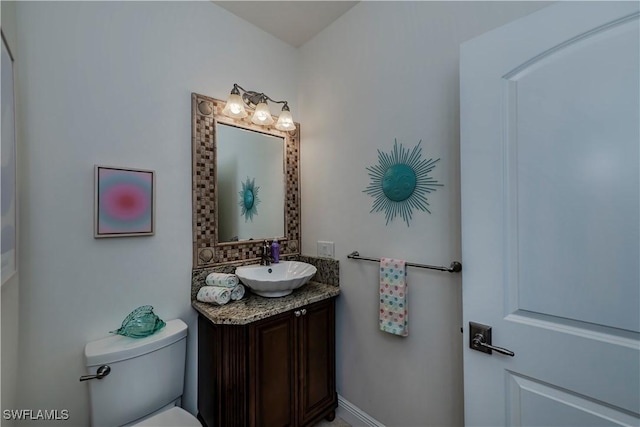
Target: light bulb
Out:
[235,107]
[285,121]
[262,115]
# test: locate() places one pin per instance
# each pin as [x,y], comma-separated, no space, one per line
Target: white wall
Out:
[110,83]
[389,70]
[10,290]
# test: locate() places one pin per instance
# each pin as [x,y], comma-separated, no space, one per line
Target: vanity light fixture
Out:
[236,103]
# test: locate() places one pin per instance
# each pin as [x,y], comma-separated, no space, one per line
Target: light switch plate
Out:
[326,249]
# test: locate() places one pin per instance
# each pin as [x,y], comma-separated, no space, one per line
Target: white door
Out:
[550,165]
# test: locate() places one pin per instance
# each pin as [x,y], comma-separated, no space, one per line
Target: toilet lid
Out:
[174,417]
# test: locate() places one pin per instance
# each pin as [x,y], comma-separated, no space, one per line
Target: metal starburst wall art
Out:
[400,182]
[249,199]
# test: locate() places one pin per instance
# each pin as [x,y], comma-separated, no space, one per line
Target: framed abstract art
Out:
[124,202]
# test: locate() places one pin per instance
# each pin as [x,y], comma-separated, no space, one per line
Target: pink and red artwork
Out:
[124,202]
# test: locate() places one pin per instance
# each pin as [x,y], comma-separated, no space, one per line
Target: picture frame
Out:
[9,221]
[124,202]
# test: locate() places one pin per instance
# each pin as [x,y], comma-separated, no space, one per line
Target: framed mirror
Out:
[245,186]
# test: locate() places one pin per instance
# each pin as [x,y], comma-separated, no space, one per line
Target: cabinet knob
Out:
[304,311]
[297,313]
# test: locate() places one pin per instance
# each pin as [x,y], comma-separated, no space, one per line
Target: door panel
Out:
[581,212]
[541,404]
[551,217]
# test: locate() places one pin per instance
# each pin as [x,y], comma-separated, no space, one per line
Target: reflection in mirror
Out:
[251,184]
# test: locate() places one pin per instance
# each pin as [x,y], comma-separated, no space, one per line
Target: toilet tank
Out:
[146,374]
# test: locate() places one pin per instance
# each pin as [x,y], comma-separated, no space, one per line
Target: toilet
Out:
[144,386]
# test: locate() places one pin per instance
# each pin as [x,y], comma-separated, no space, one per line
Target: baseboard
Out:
[354,415]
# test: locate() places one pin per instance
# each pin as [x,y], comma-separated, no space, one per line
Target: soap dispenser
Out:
[275,251]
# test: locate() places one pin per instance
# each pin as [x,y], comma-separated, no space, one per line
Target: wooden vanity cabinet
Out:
[275,372]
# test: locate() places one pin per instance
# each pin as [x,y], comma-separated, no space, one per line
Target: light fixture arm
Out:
[252,98]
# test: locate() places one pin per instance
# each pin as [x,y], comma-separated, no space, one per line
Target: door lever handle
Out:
[479,341]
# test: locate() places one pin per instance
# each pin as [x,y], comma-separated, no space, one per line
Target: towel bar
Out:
[454,268]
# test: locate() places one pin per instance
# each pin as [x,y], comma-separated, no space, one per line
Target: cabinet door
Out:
[208,336]
[316,349]
[222,374]
[272,371]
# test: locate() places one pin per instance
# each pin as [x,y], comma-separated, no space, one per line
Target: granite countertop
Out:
[254,307]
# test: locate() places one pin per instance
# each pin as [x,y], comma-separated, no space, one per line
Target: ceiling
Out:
[294,22]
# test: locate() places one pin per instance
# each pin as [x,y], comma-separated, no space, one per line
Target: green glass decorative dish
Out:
[140,323]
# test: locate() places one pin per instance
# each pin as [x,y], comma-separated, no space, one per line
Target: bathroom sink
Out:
[276,280]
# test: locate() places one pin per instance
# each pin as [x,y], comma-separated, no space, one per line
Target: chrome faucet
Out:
[265,254]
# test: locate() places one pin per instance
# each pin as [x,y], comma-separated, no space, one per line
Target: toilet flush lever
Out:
[103,371]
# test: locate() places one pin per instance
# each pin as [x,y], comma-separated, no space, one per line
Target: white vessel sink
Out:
[276,280]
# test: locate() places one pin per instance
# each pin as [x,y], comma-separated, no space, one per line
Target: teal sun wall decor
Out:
[400,182]
[249,199]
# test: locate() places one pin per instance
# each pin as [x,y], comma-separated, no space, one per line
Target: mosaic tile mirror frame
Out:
[206,112]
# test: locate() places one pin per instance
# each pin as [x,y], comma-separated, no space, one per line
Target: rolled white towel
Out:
[237,293]
[222,279]
[214,294]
